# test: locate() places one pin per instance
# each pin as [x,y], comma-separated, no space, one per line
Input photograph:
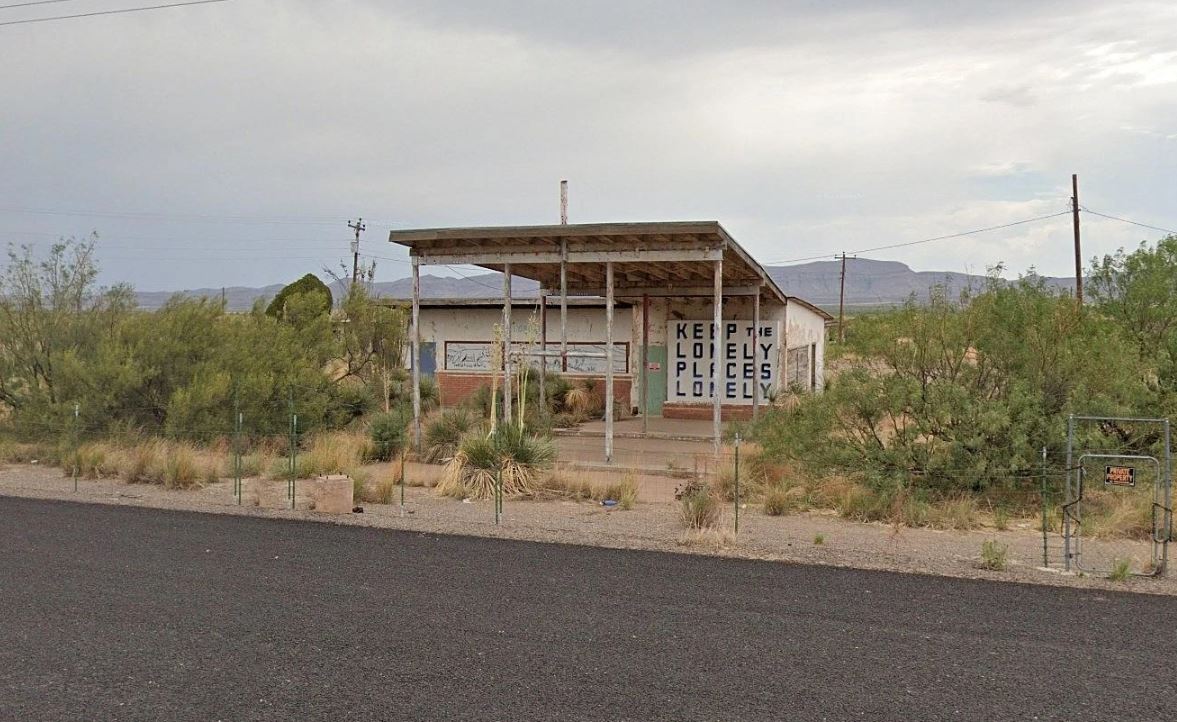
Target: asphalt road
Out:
[133,614]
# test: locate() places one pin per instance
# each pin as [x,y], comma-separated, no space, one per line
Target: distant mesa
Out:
[868,283]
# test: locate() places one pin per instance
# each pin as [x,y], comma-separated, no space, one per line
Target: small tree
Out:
[308,286]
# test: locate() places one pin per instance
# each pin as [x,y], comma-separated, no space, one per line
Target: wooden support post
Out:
[564,306]
[507,416]
[756,354]
[543,346]
[416,341]
[717,361]
[645,378]
[609,362]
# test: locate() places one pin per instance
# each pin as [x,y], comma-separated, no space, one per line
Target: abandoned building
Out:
[695,328]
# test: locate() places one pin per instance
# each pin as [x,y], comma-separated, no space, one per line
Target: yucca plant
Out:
[508,453]
[444,434]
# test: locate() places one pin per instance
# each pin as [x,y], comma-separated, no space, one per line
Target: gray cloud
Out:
[805,128]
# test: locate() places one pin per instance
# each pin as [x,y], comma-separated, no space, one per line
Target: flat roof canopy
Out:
[659,259]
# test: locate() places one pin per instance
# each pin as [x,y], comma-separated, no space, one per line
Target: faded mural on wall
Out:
[476,356]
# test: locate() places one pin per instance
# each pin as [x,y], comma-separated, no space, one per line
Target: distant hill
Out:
[868,283]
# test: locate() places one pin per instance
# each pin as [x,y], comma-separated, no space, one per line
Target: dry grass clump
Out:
[1117,514]
[779,501]
[576,489]
[93,461]
[959,513]
[385,491]
[699,506]
[712,538]
[583,400]
[994,555]
[334,453]
[624,492]
[173,464]
[16,452]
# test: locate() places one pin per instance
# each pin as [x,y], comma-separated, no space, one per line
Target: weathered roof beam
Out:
[486,258]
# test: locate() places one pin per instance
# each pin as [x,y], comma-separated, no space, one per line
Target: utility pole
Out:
[358,226]
[842,302]
[1078,253]
[563,202]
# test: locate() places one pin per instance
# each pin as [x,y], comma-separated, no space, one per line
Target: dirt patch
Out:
[650,525]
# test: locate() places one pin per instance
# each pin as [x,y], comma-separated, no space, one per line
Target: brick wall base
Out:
[702,412]
[457,387]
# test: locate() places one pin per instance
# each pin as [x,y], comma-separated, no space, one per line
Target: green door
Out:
[656,381]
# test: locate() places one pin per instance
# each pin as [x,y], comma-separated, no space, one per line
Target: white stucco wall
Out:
[806,329]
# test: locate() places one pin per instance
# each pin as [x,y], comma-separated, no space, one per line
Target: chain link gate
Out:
[1109,463]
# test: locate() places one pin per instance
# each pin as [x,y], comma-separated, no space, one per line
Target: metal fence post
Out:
[498,494]
[404,450]
[238,420]
[1067,496]
[290,486]
[77,443]
[1045,553]
[737,475]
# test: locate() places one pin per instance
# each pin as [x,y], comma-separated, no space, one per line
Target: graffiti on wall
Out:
[746,358]
[475,356]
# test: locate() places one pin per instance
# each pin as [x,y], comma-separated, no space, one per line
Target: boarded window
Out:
[797,363]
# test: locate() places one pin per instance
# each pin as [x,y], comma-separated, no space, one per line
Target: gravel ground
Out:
[117,613]
[652,526]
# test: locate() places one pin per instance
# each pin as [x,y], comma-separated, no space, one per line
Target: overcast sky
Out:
[229,143]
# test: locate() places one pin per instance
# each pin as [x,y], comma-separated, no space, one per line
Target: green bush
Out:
[389,433]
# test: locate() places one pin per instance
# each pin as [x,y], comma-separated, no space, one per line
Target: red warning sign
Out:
[1119,475]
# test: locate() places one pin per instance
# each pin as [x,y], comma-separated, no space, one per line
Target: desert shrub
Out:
[1000,519]
[993,555]
[819,539]
[565,421]
[777,502]
[389,434]
[143,463]
[699,507]
[444,433]
[508,453]
[958,395]
[1121,570]
[181,467]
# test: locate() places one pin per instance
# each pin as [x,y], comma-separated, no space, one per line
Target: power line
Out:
[110,12]
[927,240]
[1125,220]
[28,4]
[202,217]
